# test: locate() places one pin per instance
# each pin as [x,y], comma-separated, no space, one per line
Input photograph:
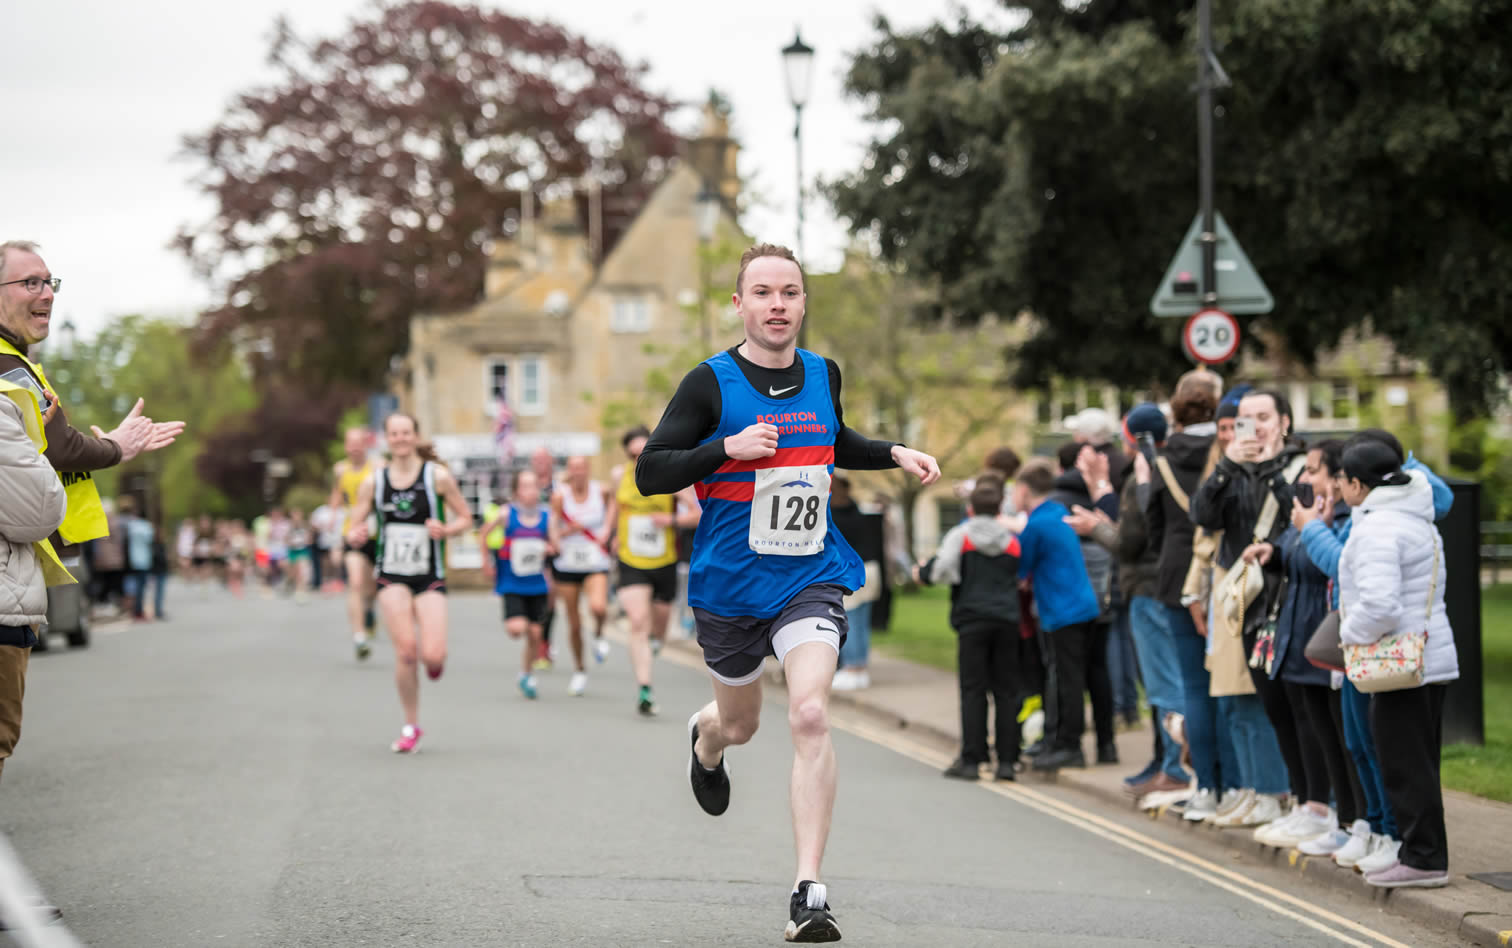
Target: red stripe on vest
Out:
[785,457]
[742,491]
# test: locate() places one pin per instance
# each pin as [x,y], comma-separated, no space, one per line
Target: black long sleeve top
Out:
[674,458]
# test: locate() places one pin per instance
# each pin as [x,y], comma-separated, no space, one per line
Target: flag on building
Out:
[503,431]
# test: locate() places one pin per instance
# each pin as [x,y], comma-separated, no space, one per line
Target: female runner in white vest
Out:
[418,506]
[580,532]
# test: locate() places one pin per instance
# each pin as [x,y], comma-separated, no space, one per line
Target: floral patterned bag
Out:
[1393,662]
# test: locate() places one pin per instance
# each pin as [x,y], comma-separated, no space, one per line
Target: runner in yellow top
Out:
[350,472]
[646,546]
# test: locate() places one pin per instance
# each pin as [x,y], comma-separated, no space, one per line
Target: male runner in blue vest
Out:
[758,429]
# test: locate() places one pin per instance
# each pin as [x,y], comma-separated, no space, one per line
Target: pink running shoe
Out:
[409,741]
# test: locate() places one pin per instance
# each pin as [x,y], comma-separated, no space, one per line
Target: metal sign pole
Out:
[1209,286]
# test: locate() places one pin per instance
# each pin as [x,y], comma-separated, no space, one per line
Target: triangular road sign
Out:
[1241,292]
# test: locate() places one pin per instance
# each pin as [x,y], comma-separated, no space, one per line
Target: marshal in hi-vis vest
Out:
[53,572]
[86,515]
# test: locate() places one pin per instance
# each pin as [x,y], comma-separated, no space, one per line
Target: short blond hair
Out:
[25,246]
[765,250]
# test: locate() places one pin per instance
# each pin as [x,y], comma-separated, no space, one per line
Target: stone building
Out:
[568,341]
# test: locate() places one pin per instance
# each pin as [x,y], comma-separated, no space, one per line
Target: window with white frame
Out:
[531,397]
[630,314]
[1329,404]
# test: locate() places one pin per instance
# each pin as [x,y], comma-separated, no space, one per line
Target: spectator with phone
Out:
[1311,728]
[1247,497]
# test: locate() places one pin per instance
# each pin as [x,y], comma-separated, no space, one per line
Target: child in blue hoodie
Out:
[1050,558]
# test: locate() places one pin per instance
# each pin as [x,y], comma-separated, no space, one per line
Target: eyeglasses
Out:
[34,284]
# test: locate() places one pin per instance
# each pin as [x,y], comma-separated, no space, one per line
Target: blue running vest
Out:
[766,532]
[524,549]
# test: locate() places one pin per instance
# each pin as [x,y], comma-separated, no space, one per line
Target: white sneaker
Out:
[1279,823]
[850,679]
[1234,802]
[1383,855]
[1307,825]
[578,685]
[1327,844]
[601,651]
[1265,810]
[1201,807]
[1358,847]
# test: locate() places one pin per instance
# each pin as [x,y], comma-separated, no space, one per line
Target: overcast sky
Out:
[97,94]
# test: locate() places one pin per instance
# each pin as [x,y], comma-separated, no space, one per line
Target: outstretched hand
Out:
[917,463]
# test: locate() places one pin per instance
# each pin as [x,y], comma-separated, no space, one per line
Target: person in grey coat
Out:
[34,506]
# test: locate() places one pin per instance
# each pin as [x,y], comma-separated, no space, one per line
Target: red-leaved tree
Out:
[359,187]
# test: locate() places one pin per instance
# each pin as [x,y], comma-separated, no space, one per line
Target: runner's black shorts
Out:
[734,647]
[662,580]
[531,608]
[416,584]
[574,579]
[368,549]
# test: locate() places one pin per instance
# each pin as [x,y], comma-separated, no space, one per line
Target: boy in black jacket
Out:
[980,561]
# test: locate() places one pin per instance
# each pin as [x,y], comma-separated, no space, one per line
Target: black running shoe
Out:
[810,919]
[711,788]
[646,702]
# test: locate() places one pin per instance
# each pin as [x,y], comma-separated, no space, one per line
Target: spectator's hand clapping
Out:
[132,434]
[1084,521]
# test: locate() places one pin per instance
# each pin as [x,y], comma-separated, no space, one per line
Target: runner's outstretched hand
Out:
[917,463]
[756,441]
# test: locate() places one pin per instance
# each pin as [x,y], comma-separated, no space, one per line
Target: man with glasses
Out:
[27,290]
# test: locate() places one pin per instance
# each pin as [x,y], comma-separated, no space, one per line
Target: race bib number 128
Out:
[790,510]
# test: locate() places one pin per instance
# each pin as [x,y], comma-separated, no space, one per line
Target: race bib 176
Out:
[406,549]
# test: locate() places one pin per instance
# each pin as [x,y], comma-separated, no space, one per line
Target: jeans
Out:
[987,660]
[1261,767]
[1200,709]
[1150,623]
[134,584]
[857,646]
[1357,737]
[159,580]
[1123,664]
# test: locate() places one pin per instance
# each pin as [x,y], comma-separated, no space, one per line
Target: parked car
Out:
[68,608]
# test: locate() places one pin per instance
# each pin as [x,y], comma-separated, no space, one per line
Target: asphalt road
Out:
[224,778]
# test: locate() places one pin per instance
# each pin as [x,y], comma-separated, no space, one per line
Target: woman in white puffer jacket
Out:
[1391,579]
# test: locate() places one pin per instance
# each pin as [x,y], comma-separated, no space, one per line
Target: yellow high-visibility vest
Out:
[86,515]
[53,571]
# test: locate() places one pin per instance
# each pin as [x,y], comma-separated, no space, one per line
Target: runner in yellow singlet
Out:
[349,475]
[646,546]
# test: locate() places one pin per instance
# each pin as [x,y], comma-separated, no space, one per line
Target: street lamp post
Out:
[798,62]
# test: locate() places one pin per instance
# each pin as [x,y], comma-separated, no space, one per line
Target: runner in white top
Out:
[580,531]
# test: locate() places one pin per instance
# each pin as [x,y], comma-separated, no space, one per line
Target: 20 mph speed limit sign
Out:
[1211,336]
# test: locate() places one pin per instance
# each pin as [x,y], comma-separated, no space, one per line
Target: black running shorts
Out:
[573,579]
[531,608]
[662,580]
[734,647]
[368,549]
[416,584]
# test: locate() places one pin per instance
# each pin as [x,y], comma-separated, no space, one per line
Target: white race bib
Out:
[790,510]
[647,540]
[527,556]
[580,557]
[406,549]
